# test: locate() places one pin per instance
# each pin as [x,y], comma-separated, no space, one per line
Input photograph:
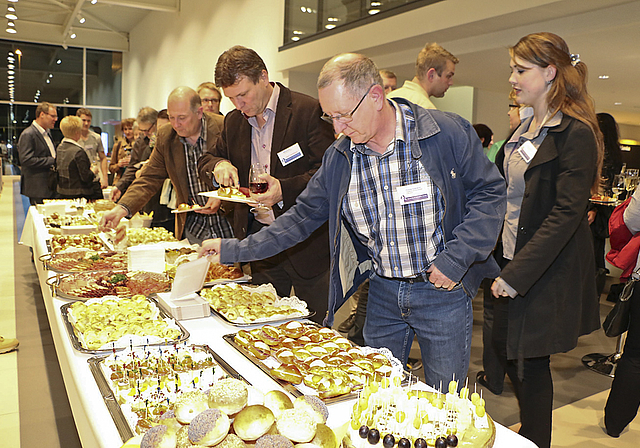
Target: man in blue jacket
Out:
[412,203]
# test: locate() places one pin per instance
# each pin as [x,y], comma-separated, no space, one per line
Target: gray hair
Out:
[147,115]
[357,72]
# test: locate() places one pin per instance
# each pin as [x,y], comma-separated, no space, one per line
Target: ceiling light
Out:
[295,38]
[93,2]
[298,32]
[11,77]
[48,81]
[373,11]
[11,8]
[617,104]
[376,3]
[50,75]
[11,72]
[59,61]
[330,26]
[10,23]
[11,66]
[19,52]
[13,1]
[603,77]
[332,19]
[73,35]
[11,16]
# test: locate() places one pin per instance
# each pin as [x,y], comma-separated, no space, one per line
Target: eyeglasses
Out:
[146,130]
[53,116]
[346,118]
[210,100]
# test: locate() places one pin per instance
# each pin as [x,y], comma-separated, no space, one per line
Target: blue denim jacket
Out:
[474,195]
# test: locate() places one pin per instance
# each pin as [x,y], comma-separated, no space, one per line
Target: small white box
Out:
[146,257]
[189,307]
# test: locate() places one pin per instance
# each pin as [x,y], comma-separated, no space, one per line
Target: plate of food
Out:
[232,194]
[90,285]
[147,386]
[306,359]
[186,208]
[85,261]
[243,305]
[65,243]
[113,323]
[602,199]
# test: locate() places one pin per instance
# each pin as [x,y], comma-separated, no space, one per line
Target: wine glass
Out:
[258,185]
[618,185]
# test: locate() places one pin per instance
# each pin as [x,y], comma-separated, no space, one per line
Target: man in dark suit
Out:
[37,155]
[282,131]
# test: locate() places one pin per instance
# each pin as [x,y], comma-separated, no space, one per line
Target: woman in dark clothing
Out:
[75,178]
[546,292]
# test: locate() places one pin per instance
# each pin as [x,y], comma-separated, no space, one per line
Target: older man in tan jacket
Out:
[175,156]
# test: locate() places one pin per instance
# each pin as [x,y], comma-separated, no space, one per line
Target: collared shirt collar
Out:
[522,131]
[399,135]
[270,108]
[39,128]
[72,141]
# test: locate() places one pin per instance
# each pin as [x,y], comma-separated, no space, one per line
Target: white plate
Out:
[214,194]
[193,209]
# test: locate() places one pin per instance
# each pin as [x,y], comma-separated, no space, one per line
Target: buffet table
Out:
[93,420]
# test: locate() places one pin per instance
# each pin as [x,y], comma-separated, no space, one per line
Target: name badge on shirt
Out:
[410,194]
[291,154]
[527,151]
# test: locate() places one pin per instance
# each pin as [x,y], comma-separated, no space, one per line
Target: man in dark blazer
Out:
[37,155]
[282,131]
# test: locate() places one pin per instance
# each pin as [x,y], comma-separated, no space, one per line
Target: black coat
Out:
[553,269]
[35,163]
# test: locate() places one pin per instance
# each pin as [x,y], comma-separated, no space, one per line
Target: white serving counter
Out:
[93,420]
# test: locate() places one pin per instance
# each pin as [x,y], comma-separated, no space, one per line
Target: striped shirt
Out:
[403,240]
[198,224]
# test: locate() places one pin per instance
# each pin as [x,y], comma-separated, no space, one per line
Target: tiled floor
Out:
[579,394]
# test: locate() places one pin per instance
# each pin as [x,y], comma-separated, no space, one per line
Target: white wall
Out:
[491,108]
[169,50]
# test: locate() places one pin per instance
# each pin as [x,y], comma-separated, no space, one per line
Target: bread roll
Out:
[158,437]
[190,404]
[231,441]
[229,395]
[273,441]
[296,425]
[253,422]
[209,427]
[313,406]
[277,401]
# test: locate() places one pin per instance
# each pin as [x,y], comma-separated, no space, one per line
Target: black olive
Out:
[420,443]
[363,431]
[404,443]
[389,441]
[374,436]
[441,442]
[452,440]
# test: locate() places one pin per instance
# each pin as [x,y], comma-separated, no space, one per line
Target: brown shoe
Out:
[7,345]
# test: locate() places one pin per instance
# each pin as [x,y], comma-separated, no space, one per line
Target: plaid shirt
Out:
[198,224]
[403,240]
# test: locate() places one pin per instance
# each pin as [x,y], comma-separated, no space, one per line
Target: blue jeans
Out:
[441,319]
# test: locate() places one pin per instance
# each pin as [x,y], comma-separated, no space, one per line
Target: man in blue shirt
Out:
[412,203]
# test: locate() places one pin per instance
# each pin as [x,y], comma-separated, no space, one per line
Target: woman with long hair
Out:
[546,292]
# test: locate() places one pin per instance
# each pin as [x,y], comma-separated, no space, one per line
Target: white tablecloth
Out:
[93,421]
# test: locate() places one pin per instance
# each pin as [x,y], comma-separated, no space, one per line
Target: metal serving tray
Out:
[64,310]
[110,400]
[47,260]
[292,388]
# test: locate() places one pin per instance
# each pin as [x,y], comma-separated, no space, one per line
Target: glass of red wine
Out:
[257,185]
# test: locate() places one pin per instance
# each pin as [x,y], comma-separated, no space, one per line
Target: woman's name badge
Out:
[410,194]
[291,154]
[527,151]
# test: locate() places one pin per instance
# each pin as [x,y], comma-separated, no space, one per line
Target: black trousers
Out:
[493,368]
[532,380]
[624,397]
